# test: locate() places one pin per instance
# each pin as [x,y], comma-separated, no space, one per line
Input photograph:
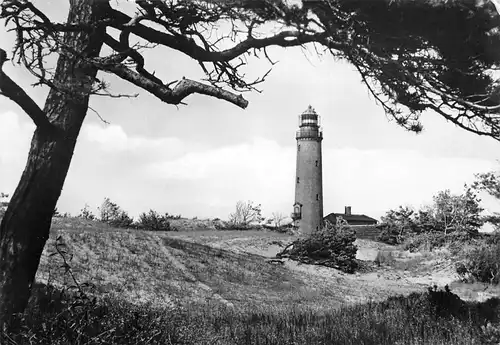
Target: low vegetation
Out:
[333,246]
[153,221]
[116,217]
[57,317]
[481,264]
[451,222]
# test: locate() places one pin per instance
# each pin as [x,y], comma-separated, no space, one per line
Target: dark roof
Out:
[351,217]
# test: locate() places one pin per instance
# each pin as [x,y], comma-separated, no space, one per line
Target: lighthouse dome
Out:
[309,111]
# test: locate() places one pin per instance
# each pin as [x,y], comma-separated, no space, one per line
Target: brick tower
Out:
[308,207]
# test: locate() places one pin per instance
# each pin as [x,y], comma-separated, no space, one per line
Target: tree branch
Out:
[183,89]
[190,48]
[11,90]
[186,87]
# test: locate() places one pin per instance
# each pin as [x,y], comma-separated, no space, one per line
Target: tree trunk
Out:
[26,224]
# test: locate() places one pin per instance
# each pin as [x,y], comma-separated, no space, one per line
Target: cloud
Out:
[257,158]
[175,176]
[372,181]
[112,138]
[215,179]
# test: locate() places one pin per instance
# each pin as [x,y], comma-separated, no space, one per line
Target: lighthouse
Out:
[308,207]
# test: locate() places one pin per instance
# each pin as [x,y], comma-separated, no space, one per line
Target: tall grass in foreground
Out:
[432,317]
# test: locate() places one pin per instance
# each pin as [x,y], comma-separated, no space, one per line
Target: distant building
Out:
[351,219]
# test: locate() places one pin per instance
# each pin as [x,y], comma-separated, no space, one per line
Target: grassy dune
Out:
[155,267]
[203,288]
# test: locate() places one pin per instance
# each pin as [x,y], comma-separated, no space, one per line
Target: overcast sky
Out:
[200,159]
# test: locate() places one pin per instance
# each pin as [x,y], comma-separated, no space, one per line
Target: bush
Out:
[113,215]
[481,264]
[333,246]
[424,241]
[388,235]
[154,221]
[122,220]
[396,224]
[430,240]
[220,224]
[86,213]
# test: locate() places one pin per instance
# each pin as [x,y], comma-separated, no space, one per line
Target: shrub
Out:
[122,220]
[481,264]
[424,241]
[113,214]
[108,210]
[396,224]
[333,246]
[220,224]
[154,221]
[388,234]
[86,214]
[430,240]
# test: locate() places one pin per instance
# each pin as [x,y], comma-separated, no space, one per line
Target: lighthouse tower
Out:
[308,207]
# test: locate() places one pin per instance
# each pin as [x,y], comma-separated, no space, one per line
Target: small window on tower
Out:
[317,196]
[298,147]
[298,179]
[316,163]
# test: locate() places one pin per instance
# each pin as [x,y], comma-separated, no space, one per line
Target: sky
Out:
[199,159]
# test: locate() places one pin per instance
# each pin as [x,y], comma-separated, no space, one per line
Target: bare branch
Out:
[11,90]
[183,89]
[186,87]
[119,95]
[99,115]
